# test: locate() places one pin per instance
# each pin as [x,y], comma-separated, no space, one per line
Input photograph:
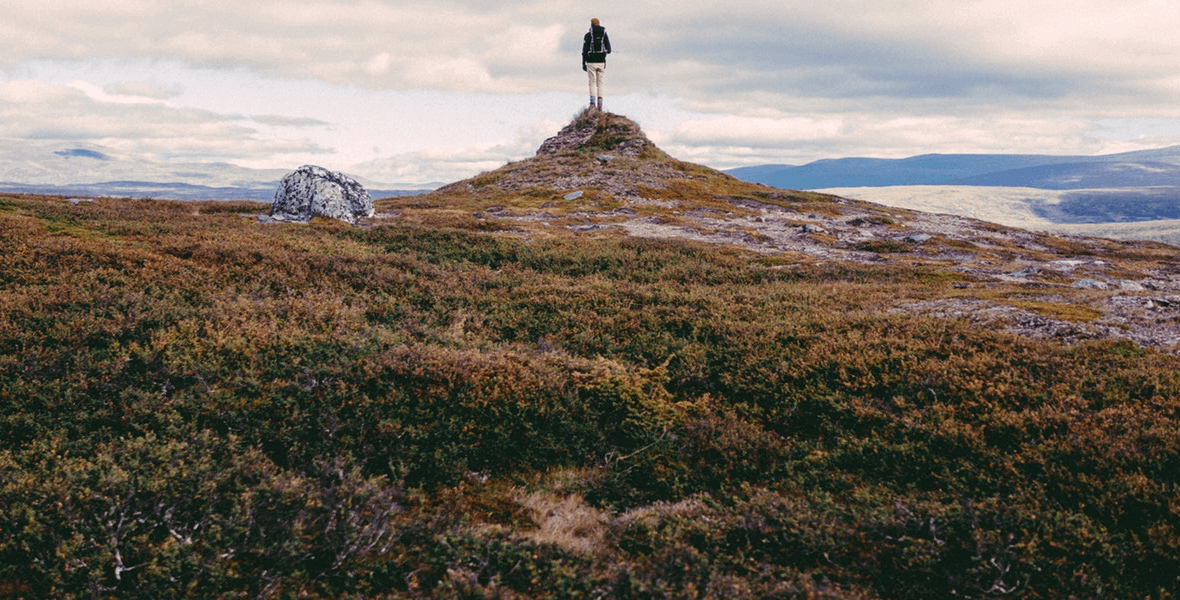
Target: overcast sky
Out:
[399,91]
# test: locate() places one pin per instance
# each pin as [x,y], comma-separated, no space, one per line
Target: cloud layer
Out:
[749,80]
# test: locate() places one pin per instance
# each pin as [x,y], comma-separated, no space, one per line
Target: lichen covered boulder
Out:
[315,191]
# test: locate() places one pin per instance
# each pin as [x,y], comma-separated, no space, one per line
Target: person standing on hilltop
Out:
[595,47]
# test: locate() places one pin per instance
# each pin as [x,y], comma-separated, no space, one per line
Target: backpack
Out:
[596,46]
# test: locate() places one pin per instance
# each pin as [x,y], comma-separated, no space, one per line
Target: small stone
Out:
[1131,286]
[1090,284]
[573,196]
[917,238]
[1026,273]
[604,158]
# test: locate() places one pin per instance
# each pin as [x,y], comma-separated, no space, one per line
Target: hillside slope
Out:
[601,176]
[596,373]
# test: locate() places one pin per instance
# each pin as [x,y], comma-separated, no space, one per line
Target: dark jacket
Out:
[596,33]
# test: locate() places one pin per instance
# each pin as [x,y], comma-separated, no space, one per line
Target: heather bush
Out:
[196,404]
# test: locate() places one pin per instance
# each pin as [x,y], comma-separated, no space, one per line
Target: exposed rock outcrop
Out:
[596,132]
[597,150]
[312,191]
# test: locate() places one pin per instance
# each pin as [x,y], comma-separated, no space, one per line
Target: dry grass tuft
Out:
[566,522]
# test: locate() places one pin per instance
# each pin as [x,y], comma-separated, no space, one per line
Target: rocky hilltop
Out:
[600,175]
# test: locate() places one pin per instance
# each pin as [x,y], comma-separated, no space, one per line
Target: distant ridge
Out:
[1082,176]
[57,168]
[169,191]
[1160,167]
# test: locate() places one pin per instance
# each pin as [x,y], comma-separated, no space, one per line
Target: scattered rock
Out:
[1065,265]
[604,158]
[313,190]
[573,196]
[1030,272]
[1131,286]
[1090,284]
[917,238]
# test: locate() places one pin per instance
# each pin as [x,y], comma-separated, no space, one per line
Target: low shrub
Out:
[203,405]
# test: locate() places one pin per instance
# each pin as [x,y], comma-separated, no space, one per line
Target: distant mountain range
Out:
[1146,168]
[1120,189]
[264,192]
[53,167]
[1132,195]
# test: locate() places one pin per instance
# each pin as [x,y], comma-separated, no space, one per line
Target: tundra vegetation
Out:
[443,403]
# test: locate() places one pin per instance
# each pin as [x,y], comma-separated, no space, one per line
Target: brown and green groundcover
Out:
[197,405]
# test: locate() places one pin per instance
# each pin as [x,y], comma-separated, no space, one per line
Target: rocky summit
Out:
[315,191]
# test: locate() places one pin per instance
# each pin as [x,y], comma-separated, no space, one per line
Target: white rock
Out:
[312,190]
[1090,284]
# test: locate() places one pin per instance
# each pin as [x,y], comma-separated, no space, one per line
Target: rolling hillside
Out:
[598,372]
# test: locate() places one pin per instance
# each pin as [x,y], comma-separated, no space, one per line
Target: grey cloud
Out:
[857,62]
[733,56]
[284,121]
[40,111]
[840,49]
[140,89]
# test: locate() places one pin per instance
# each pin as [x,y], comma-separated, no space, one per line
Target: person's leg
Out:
[592,75]
[599,76]
[596,71]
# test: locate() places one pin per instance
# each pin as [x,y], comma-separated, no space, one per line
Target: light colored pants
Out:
[596,71]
